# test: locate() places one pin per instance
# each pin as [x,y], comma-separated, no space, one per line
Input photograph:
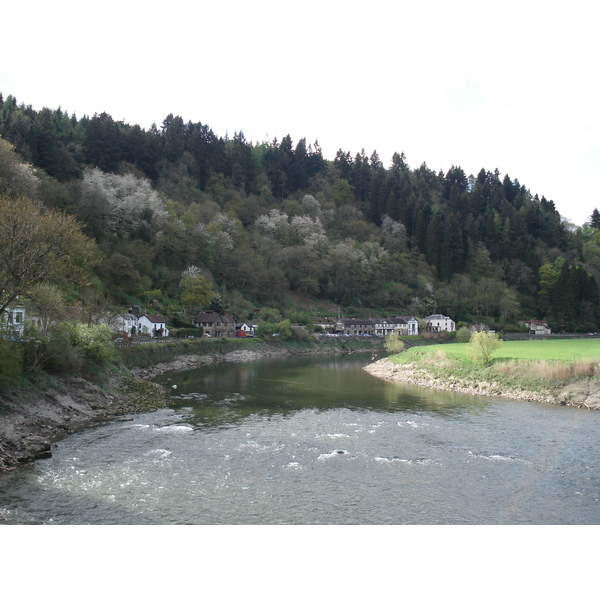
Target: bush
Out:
[11,363]
[463,335]
[284,328]
[393,343]
[300,334]
[75,347]
[266,330]
[189,332]
[483,344]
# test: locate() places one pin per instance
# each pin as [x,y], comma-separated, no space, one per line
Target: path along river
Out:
[316,440]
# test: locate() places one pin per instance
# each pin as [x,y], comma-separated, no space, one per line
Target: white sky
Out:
[512,85]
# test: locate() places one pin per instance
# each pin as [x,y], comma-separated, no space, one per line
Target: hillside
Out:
[275,224]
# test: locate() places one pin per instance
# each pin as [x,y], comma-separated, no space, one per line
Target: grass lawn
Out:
[550,350]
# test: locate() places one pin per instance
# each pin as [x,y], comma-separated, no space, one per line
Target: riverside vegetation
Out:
[558,371]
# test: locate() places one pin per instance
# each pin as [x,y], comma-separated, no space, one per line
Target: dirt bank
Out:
[32,418]
[580,394]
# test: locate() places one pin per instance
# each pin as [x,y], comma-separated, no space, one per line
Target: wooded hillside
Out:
[276,224]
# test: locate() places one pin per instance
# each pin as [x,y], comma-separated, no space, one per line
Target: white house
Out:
[126,323]
[245,329]
[13,321]
[152,325]
[412,324]
[440,323]
[538,327]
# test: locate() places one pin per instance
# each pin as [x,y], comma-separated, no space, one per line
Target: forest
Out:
[274,224]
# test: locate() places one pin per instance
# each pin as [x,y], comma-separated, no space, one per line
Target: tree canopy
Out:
[275,220]
[39,246]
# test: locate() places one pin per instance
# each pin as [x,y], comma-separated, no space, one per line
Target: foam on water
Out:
[332,454]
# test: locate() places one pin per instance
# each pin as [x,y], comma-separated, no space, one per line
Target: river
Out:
[316,440]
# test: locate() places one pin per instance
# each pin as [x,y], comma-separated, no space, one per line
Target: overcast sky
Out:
[512,85]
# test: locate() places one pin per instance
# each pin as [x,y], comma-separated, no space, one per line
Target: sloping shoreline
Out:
[579,394]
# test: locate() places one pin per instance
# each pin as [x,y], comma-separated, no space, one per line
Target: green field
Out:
[550,350]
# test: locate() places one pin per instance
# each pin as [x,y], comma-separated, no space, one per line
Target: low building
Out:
[245,329]
[440,323]
[395,325]
[538,327]
[12,321]
[152,325]
[126,323]
[355,326]
[216,325]
[412,324]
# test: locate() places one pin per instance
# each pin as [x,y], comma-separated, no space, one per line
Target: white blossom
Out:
[394,234]
[307,230]
[276,222]
[131,201]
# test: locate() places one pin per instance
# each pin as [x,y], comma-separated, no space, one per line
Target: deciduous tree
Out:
[483,344]
[39,246]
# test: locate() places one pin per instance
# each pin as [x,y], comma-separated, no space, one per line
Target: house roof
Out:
[358,321]
[154,318]
[213,318]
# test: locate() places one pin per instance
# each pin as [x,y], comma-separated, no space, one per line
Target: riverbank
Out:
[32,418]
[580,393]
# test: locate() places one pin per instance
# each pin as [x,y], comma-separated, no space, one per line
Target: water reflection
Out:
[223,394]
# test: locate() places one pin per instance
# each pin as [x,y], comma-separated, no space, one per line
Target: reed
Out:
[553,370]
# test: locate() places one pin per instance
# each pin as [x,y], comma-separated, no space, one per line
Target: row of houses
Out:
[213,324]
[216,325]
[402,325]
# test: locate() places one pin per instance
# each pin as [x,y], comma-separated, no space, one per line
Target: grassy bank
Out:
[565,371]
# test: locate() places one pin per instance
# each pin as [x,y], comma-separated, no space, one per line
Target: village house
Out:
[13,321]
[396,325]
[152,325]
[412,325]
[537,327]
[126,323]
[355,326]
[380,327]
[216,325]
[438,323]
[245,329]
[479,327]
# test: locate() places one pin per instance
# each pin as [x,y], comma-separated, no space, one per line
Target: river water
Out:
[316,440]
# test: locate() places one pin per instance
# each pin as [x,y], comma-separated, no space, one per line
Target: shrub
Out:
[393,343]
[75,347]
[463,335]
[189,332]
[11,363]
[284,328]
[483,344]
[300,334]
